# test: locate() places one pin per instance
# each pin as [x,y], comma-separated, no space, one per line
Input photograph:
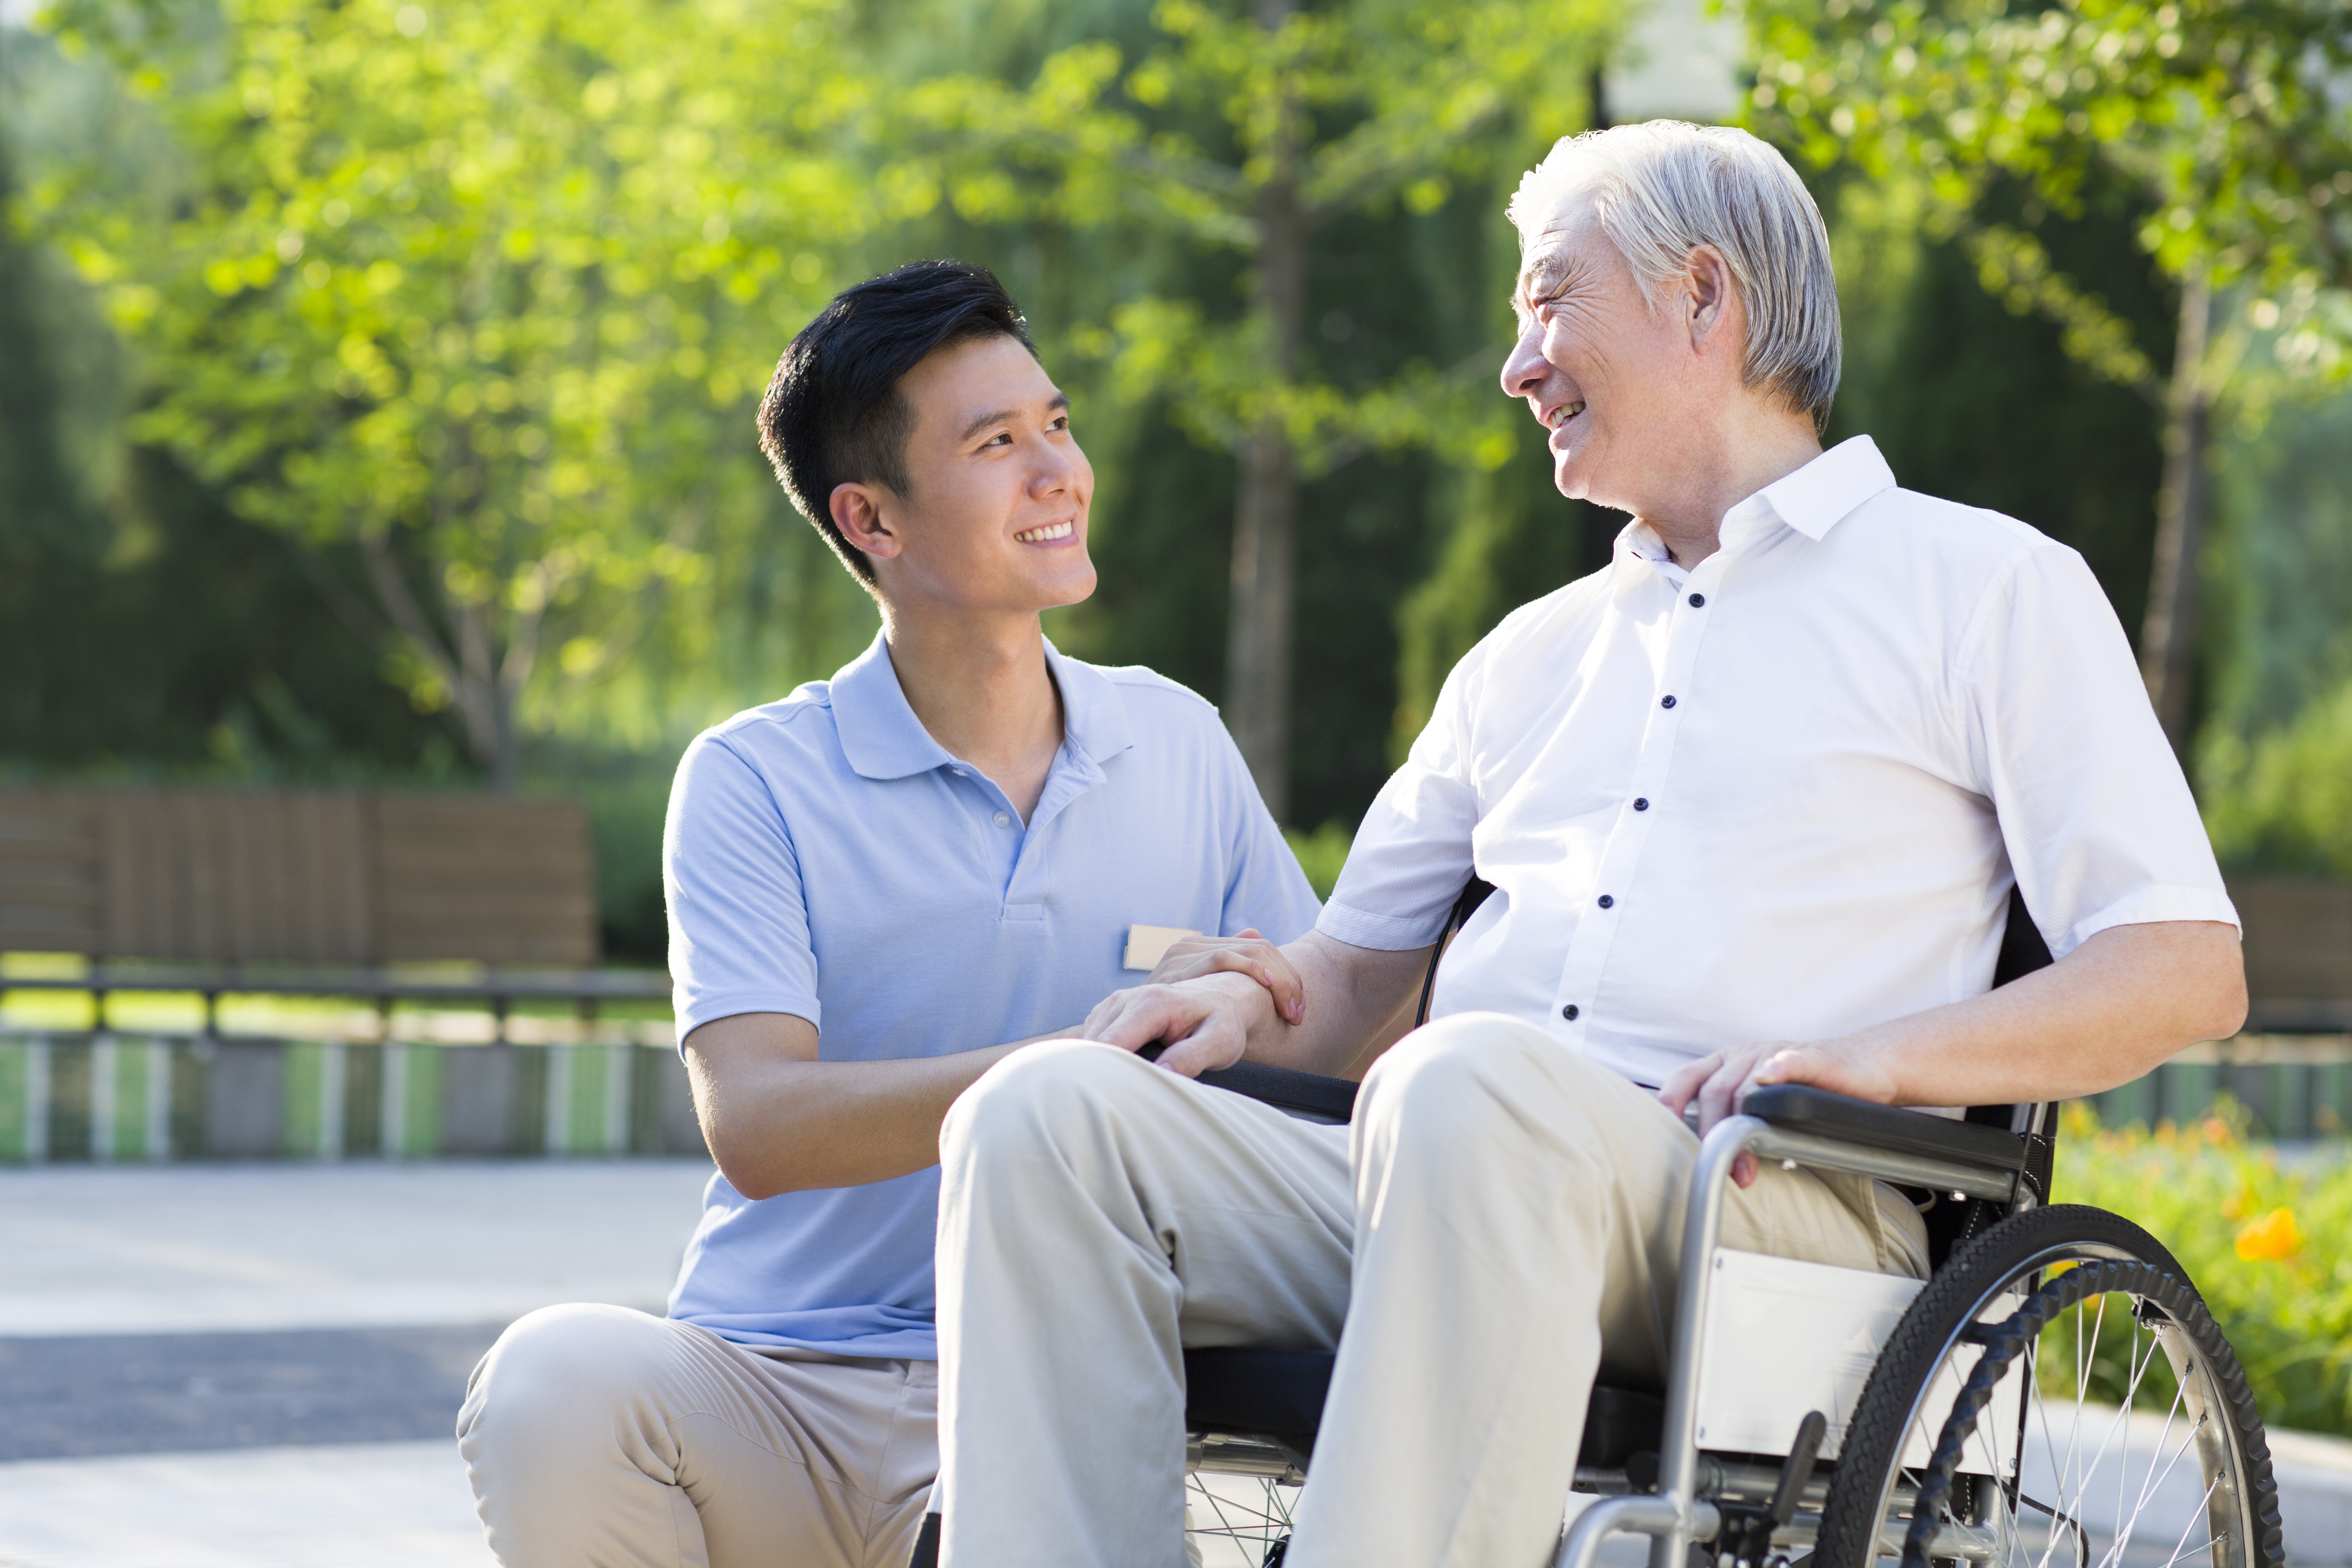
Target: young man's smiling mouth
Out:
[1048,533]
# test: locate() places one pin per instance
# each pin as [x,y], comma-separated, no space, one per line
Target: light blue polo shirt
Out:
[824,856]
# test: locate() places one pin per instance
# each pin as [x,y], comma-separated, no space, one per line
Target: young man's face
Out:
[995,515]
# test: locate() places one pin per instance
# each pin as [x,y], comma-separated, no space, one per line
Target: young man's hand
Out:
[1249,953]
[1205,1023]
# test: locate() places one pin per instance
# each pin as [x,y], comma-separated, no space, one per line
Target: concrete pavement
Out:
[259,1366]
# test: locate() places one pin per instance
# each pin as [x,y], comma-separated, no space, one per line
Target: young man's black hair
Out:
[833,414]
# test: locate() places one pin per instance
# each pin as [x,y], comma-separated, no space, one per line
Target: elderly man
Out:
[1753,799]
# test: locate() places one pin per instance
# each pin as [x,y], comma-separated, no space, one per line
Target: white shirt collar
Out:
[1811,501]
[1822,493]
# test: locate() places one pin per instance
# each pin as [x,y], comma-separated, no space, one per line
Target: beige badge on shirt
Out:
[1146,945]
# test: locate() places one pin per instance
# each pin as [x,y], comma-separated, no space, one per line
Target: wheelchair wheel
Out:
[1237,1521]
[2057,1396]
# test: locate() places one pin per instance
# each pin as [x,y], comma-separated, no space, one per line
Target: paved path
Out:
[189,1248]
[259,1366]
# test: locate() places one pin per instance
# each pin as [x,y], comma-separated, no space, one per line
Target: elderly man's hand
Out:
[1205,1023]
[1249,953]
[1717,1085]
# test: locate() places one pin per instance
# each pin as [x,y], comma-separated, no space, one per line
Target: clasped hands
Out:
[1202,999]
[1207,992]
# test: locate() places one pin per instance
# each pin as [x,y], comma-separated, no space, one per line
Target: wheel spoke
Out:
[2126,1527]
[2210,1542]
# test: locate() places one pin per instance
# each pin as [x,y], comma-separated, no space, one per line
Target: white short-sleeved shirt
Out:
[826,858]
[1782,795]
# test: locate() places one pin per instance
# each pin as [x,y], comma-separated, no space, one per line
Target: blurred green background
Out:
[376,378]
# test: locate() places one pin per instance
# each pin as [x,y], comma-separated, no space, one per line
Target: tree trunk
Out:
[1265,510]
[1257,644]
[2167,638]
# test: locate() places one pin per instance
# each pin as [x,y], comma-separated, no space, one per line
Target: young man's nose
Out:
[1055,471]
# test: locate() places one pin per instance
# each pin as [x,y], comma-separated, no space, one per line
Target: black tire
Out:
[2030,1281]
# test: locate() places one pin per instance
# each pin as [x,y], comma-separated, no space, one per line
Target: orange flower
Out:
[2271,1237]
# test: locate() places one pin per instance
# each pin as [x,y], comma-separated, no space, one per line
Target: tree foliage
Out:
[2227,117]
[2231,114]
[487,288]
[1253,130]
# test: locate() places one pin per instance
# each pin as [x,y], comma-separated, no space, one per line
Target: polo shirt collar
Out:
[1094,718]
[882,738]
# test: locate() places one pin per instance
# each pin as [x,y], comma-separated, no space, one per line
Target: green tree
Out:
[2225,116]
[484,294]
[1252,132]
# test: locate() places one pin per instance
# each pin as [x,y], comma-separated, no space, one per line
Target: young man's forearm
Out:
[779,1120]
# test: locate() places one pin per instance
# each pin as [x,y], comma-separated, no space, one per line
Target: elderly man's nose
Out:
[1525,369]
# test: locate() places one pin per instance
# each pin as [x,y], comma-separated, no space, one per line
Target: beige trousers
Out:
[1500,1223]
[600,1437]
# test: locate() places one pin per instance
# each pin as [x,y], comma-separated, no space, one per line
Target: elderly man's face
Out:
[1610,378]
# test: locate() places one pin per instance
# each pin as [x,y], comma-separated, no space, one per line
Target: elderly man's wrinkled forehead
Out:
[1552,249]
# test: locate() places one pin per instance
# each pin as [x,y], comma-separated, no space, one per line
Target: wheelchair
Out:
[2055,1395]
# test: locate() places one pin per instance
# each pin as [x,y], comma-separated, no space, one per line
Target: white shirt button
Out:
[1002,820]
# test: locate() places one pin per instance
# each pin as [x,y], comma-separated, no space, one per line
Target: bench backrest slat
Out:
[2298,938]
[327,877]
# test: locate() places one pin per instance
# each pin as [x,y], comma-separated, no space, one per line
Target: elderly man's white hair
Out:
[1662,187]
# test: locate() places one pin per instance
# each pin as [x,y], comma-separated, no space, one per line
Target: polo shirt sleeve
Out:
[2100,827]
[739,934]
[1265,889]
[1412,855]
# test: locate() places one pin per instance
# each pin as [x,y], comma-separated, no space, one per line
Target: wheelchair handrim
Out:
[2216,1438]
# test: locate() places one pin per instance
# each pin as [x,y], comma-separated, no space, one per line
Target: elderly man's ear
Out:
[857,512]
[1712,294]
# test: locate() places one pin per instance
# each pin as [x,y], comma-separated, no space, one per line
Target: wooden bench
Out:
[2298,953]
[307,893]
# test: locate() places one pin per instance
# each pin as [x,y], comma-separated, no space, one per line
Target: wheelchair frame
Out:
[1797,1126]
[1674,1516]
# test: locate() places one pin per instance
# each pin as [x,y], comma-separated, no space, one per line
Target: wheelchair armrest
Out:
[1308,1095]
[1799,1108]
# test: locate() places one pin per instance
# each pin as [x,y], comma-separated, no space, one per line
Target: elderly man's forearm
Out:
[1354,995]
[2125,1002]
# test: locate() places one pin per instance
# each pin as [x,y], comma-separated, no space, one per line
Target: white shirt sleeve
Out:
[1413,853]
[2100,827]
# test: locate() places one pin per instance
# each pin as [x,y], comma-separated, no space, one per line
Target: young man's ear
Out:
[857,511]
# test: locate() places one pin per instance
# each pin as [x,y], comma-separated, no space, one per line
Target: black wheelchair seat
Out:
[1278,1397]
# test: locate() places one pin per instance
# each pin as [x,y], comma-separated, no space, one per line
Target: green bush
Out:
[1320,854]
[2263,1239]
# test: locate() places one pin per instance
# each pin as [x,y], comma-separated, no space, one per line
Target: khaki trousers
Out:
[600,1437]
[1500,1223]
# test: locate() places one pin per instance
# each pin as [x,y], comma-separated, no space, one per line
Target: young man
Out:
[873,883]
